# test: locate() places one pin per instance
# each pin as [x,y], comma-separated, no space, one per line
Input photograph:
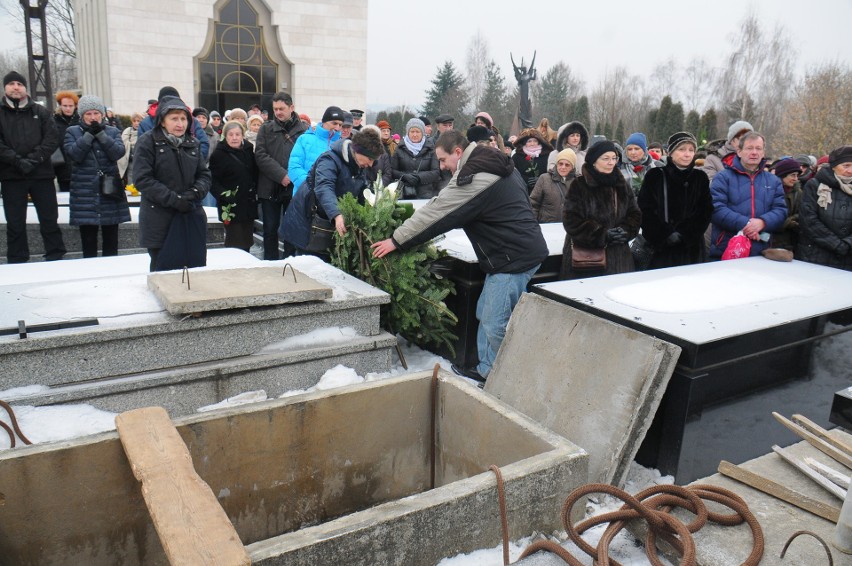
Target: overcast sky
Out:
[408,41]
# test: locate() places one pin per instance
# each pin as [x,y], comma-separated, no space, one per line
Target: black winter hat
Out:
[332,113]
[199,111]
[425,120]
[842,154]
[478,134]
[786,166]
[14,76]
[594,152]
[168,91]
[169,103]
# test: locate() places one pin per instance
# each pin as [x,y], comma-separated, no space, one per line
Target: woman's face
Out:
[790,180]
[843,169]
[532,144]
[90,116]
[254,126]
[67,106]
[202,119]
[683,155]
[415,135]
[634,153]
[134,123]
[606,162]
[564,167]
[175,122]
[574,139]
[385,133]
[482,122]
[234,137]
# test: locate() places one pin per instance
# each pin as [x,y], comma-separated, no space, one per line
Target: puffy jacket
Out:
[720,154]
[489,201]
[548,196]
[148,122]
[63,122]
[334,174]
[27,132]
[90,154]
[161,172]
[824,231]
[235,169]
[732,191]
[562,143]
[425,165]
[308,148]
[275,142]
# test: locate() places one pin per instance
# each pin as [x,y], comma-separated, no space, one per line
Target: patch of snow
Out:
[236,400]
[61,422]
[24,391]
[322,337]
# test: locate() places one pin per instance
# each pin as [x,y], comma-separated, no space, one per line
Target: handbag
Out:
[642,250]
[739,246]
[185,244]
[587,258]
[111,186]
[57,158]
[321,236]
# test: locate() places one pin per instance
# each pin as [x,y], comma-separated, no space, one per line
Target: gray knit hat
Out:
[415,123]
[738,127]
[90,102]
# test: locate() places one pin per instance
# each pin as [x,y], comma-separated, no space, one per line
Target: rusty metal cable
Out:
[816,536]
[433,422]
[15,426]
[504,517]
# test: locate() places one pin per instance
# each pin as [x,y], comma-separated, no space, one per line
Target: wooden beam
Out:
[192,526]
[815,441]
[817,478]
[820,432]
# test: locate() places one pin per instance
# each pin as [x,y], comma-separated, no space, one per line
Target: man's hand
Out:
[286,180]
[383,248]
[753,229]
[25,166]
[340,225]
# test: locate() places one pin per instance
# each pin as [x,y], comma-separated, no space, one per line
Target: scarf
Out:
[532,152]
[604,179]
[16,103]
[414,148]
[173,140]
[824,191]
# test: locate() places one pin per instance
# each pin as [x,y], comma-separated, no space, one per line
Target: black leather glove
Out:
[674,239]
[842,248]
[25,166]
[531,182]
[616,236]
[95,127]
[183,205]
[191,195]
[410,179]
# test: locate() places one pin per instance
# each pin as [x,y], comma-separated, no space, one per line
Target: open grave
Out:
[319,478]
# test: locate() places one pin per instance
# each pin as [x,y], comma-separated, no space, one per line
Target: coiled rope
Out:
[14,426]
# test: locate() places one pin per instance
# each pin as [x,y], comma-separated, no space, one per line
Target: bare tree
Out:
[612,98]
[664,80]
[61,38]
[699,85]
[476,63]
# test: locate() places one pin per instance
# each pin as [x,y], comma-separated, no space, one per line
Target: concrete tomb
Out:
[321,478]
[594,382]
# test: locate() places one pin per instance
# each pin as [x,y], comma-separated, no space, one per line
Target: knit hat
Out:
[166,105]
[594,152]
[215,114]
[568,155]
[786,166]
[415,123]
[425,120]
[14,76]
[842,154]
[738,127]
[90,102]
[332,113]
[168,91]
[485,116]
[680,138]
[478,134]
[199,111]
[305,118]
[444,119]
[383,124]
[67,94]
[237,114]
[638,138]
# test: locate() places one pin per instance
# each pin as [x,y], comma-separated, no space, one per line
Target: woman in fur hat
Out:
[572,135]
[531,154]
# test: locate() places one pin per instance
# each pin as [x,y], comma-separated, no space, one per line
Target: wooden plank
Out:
[777,490]
[817,478]
[820,432]
[815,441]
[192,526]
[830,473]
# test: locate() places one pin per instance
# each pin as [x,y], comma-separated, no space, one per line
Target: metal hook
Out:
[816,536]
[293,271]
[185,273]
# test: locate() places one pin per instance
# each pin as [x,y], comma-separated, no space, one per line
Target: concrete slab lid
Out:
[211,290]
[594,382]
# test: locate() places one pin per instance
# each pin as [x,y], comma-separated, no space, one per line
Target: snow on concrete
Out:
[319,338]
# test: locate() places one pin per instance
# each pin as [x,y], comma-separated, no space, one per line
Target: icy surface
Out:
[319,338]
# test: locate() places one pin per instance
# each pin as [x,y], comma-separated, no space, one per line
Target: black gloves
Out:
[616,236]
[531,182]
[842,248]
[674,239]
[95,127]
[190,195]
[411,179]
[183,204]
[25,166]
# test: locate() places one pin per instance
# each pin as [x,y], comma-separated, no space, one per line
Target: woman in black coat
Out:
[170,173]
[93,148]
[531,155]
[676,206]
[415,164]
[600,213]
[234,186]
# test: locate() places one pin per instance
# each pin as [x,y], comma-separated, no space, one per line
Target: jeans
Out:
[500,294]
[43,193]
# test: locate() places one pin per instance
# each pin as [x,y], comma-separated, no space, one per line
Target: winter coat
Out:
[26,132]
[235,169]
[821,230]
[788,236]
[212,139]
[634,173]
[161,172]
[690,207]
[308,148]
[732,191]
[334,174]
[90,155]
[275,141]
[63,172]
[128,138]
[424,165]
[530,167]
[720,154]
[590,210]
[148,122]
[381,165]
[488,200]
[562,143]
[548,196]
[390,147]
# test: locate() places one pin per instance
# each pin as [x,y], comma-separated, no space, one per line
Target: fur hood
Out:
[567,129]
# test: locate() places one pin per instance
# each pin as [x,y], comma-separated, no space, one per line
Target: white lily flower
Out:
[370,197]
[392,188]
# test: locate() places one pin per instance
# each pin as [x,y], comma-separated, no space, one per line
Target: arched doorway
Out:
[242,63]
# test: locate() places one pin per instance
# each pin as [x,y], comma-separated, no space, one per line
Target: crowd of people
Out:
[640,205]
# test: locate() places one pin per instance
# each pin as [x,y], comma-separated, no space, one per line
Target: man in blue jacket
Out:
[746,198]
[312,144]
[488,199]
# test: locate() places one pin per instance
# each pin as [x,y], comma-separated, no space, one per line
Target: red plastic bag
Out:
[738,247]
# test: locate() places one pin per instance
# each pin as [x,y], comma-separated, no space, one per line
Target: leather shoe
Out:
[469,373]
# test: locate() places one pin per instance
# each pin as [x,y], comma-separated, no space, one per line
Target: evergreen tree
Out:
[447,93]
[661,124]
[708,126]
[581,112]
[651,125]
[692,123]
[495,99]
[607,130]
[674,121]
[619,132]
[552,92]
